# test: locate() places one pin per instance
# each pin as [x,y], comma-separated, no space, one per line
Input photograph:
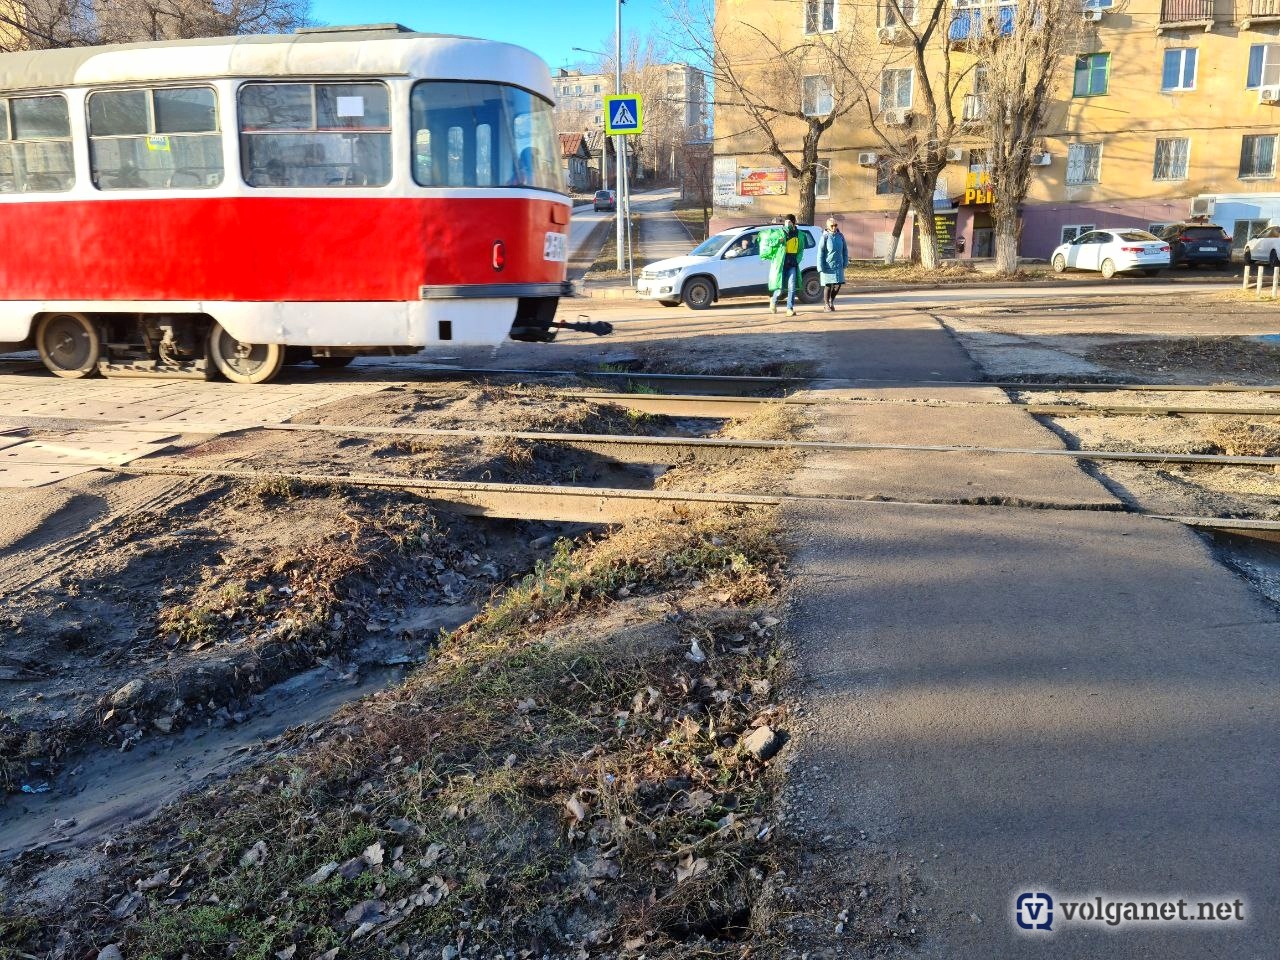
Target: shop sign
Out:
[977,189]
[944,229]
[725,184]
[762,181]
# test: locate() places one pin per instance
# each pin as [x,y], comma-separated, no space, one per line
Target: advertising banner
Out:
[762,181]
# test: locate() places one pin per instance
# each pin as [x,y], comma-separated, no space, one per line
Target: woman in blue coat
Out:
[833,257]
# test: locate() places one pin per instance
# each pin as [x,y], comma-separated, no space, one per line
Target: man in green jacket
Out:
[782,247]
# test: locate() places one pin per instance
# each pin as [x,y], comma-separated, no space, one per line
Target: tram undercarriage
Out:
[174,346]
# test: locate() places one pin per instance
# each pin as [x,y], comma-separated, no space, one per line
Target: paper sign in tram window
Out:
[158,143]
[351,106]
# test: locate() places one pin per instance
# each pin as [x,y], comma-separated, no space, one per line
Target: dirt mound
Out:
[1233,358]
[1243,438]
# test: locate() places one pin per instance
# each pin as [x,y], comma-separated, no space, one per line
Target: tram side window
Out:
[35,145]
[315,134]
[164,138]
[472,134]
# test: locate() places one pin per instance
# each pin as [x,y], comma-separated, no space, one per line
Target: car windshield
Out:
[1137,235]
[712,245]
[1204,233]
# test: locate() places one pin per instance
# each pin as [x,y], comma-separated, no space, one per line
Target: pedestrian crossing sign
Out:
[623,114]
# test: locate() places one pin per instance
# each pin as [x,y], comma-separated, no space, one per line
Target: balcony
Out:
[1186,15]
[969,20]
[1260,11]
[973,109]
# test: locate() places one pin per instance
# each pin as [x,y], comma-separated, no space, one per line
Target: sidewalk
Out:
[1003,700]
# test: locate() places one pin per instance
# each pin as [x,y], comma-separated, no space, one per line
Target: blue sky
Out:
[550,29]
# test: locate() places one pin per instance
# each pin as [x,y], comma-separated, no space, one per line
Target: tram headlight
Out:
[499,254]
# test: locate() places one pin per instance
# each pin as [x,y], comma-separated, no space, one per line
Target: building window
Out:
[1264,65]
[896,89]
[889,14]
[1073,230]
[35,145]
[822,180]
[1091,74]
[1084,162]
[980,161]
[1258,156]
[158,139]
[817,97]
[1179,69]
[1171,159]
[819,16]
[886,182]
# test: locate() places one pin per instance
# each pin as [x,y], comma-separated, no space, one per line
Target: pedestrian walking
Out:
[833,257]
[781,247]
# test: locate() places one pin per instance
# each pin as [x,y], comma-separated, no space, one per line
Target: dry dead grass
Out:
[564,778]
[1245,438]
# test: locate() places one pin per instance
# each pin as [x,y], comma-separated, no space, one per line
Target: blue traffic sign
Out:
[623,114]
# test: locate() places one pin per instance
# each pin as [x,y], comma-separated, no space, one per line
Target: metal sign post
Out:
[623,117]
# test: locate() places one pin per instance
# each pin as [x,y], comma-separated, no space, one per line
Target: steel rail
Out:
[642,449]
[613,504]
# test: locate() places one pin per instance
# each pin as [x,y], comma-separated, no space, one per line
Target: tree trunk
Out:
[1006,245]
[928,237]
[898,224]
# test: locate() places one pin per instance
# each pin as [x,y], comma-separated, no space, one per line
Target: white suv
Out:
[727,264]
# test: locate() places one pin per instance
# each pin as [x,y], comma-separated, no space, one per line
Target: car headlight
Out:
[664,274]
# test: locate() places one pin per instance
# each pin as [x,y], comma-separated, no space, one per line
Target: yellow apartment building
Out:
[1168,104]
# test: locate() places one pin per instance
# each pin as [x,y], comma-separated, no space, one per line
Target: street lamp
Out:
[619,142]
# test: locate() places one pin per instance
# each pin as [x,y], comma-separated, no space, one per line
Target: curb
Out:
[629,293]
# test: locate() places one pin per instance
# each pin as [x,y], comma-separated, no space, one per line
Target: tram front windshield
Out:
[468,134]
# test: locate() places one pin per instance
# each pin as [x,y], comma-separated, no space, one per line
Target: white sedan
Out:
[1112,252]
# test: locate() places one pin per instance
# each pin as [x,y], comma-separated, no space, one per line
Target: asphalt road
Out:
[1004,701]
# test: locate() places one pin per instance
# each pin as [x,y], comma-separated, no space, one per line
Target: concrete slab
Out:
[1014,700]
[19,474]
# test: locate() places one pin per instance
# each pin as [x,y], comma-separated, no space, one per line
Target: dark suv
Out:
[605,200]
[1197,241]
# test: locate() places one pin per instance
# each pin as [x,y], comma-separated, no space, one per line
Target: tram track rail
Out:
[566,503]
[633,448]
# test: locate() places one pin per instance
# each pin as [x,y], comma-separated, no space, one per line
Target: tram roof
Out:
[371,51]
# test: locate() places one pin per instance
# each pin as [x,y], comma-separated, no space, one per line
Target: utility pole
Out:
[620,143]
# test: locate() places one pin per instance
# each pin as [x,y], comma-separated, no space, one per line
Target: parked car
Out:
[1113,251]
[1264,248]
[1197,241]
[605,200]
[727,264]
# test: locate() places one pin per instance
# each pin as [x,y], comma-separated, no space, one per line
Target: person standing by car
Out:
[781,247]
[833,257]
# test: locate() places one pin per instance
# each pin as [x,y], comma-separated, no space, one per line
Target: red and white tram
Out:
[172,207]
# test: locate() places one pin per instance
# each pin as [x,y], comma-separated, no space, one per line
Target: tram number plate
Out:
[555,248]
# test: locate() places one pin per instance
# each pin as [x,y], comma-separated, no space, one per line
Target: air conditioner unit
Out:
[868,159]
[1269,94]
[954,154]
[888,34]
[894,118]
[1041,159]
[1203,206]
[1092,15]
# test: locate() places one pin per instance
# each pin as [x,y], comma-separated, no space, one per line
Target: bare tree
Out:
[40,24]
[1021,53]
[787,90]
[908,80]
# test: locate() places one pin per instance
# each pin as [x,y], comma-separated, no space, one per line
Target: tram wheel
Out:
[332,363]
[243,362]
[69,344]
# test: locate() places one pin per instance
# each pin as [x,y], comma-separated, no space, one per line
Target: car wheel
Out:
[1274,259]
[1248,257]
[810,287]
[698,294]
[1108,269]
[1059,264]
